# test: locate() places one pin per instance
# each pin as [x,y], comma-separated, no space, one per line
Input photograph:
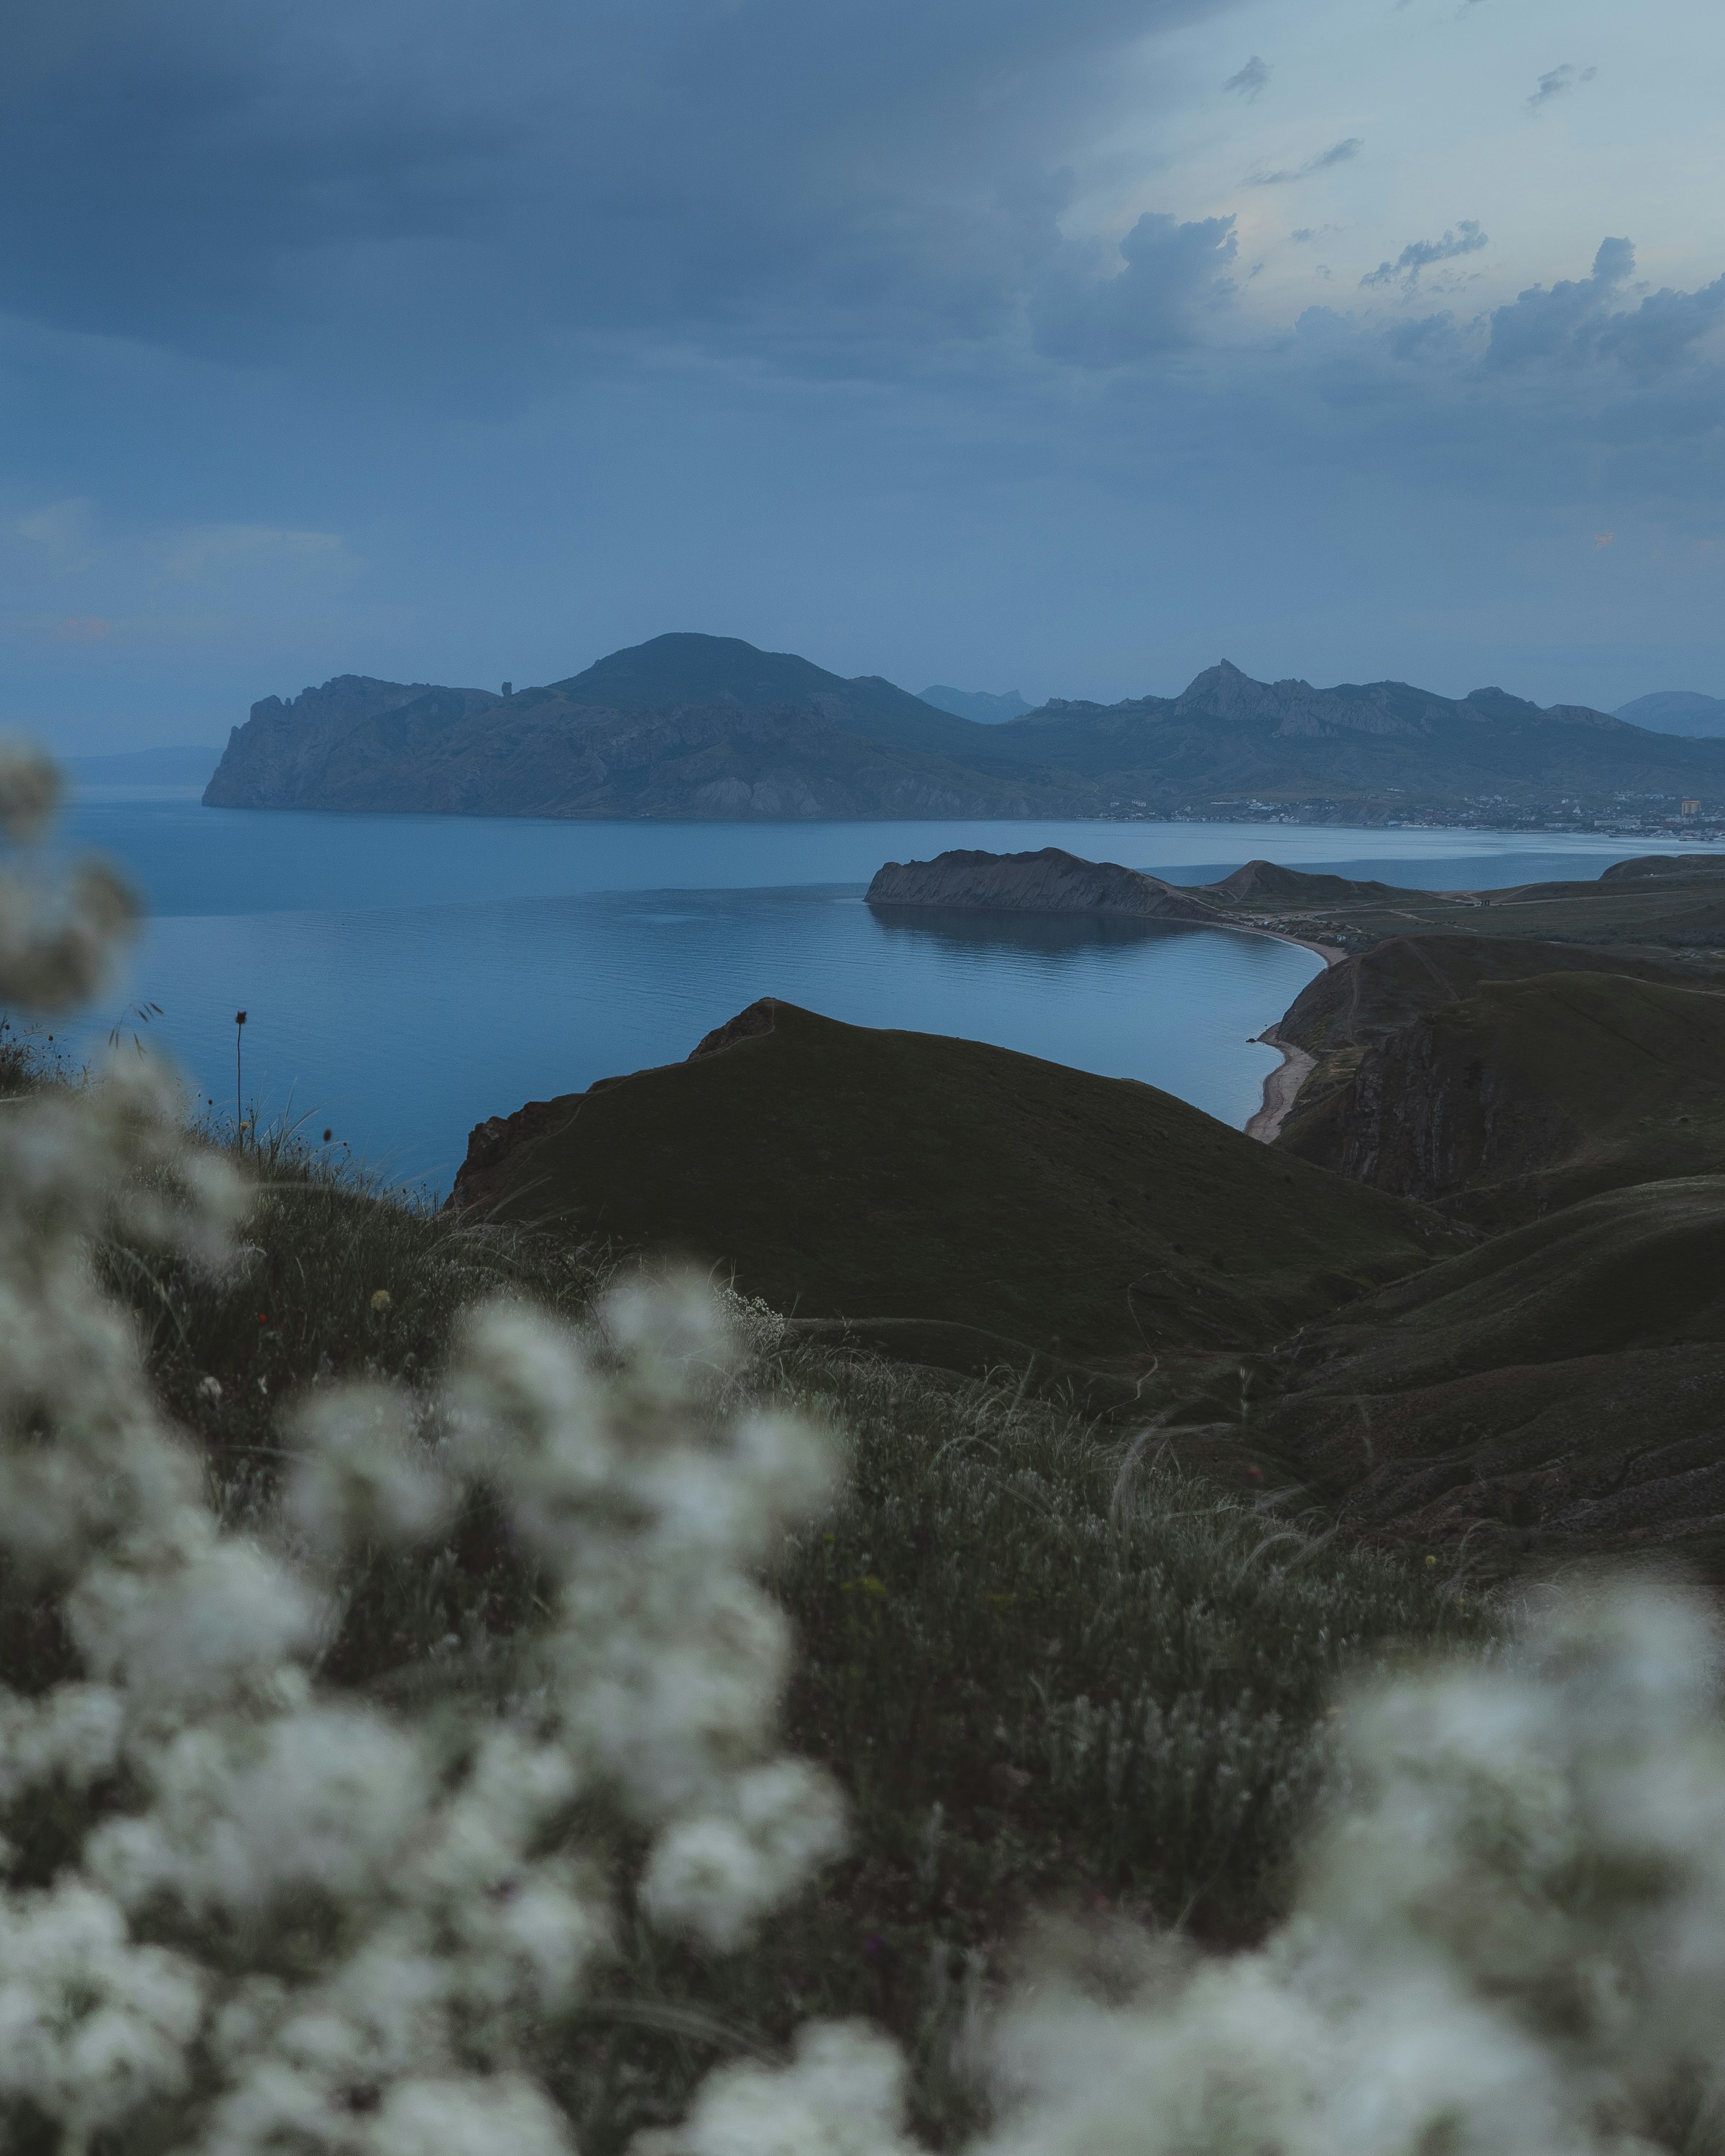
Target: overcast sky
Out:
[1061,345]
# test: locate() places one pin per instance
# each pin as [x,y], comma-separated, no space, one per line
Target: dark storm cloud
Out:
[450,183]
[1174,274]
[1338,153]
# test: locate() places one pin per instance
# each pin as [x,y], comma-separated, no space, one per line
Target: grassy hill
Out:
[1549,1394]
[958,1203]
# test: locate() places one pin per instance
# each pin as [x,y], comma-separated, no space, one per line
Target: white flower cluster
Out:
[1509,1942]
[289,1919]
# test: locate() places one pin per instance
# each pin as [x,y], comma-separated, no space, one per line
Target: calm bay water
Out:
[407,977]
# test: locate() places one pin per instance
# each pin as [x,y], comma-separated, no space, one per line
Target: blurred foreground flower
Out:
[285,1917]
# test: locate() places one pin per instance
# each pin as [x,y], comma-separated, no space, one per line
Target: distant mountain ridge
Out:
[703,727]
[986,708]
[1684,711]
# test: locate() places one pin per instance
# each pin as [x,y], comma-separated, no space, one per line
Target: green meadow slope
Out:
[1554,1393]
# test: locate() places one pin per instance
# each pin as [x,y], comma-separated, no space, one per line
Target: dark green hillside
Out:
[687,668]
[1533,1093]
[1555,1392]
[1664,864]
[1356,1005]
[1365,997]
[961,1203]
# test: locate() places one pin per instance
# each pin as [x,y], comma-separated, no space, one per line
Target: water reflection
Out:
[1053,936]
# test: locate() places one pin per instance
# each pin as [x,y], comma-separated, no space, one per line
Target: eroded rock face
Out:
[280,758]
[384,746]
[1433,1110]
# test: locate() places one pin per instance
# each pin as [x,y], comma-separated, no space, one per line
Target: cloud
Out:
[85,629]
[1250,81]
[1578,321]
[1338,153]
[1466,238]
[1554,83]
[1173,275]
[447,198]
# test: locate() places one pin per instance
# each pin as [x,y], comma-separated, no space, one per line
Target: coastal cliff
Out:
[1530,1093]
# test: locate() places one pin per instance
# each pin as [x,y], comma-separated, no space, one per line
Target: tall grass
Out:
[1048,1666]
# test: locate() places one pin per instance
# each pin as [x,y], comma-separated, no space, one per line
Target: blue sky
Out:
[1066,345]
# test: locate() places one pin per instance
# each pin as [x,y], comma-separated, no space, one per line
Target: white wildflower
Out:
[318,1802]
[364,1475]
[503,2117]
[717,1875]
[198,1618]
[91,2026]
[842,2095]
[71,1734]
[30,791]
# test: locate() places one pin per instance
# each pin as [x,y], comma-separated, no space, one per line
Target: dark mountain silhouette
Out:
[709,726]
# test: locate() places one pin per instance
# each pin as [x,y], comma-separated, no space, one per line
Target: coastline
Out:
[1281,1087]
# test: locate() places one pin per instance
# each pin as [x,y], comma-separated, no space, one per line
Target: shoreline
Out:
[1281,1087]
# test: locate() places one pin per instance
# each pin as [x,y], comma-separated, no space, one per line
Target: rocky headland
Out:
[705,726]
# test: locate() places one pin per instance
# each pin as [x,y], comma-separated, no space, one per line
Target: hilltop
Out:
[695,726]
[955,1202]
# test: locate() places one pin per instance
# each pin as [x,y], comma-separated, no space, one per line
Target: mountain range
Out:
[1678,711]
[697,727]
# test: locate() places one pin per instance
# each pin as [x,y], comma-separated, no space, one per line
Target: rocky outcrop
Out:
[1432,1111]
[1531,1094]
[453,751]
[1046,881]
[280,757]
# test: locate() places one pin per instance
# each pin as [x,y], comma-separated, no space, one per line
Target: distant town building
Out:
[509,691]
[1691,807]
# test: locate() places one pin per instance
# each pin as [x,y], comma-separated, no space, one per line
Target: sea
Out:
[405,977]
